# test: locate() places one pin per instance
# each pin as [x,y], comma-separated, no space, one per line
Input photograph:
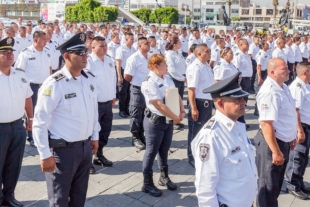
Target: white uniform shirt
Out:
[14,91]
[36,64]
[67,108]
[253,50]
[215,55]
[224,70]
[289,54]
[193,41]
[123,53]
[301,93]
[277,104]
[156,35]
[112,47]
[137,67]
[161,44]
[235,48]
[271,48]
[190,59]
[17,49]
[278,53]
[58,38]
[225,164]
[154,88]
[304,50]
[54,53]
[105,76]
[213,46]
[153,51]
[243,63]
[208,40]
[184,42]
[176,65]
[297,53]
[262,58]
[68,35]
[249,39]
[200,76]
[23,43]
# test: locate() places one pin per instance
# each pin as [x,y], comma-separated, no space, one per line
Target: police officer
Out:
[184,42]
[195,39]
[199,76]
[153,48]
[277,133]
[224,156]
[113,45]
[304,49]
[216,53]
[192,56]
[244,64]
[298,160]
[135,72]
[290,58]
[55,54]
[16,98]
[225,69]
[102,66]
[66,127]
[36,61]
[208,39]
[121,58]
[279,51]
[253,50]
[158,129]
[161,43]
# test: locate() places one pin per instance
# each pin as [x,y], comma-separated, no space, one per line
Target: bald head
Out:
[278,70]
[272,64]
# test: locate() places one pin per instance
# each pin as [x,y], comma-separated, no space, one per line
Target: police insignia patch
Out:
[82,37]
[204,151]
[9,41]
[298,85]
[210,124]
[47,92]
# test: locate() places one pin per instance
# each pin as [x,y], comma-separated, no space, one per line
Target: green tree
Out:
[188,20]
[166,14]
[105,14]
[235,19]
[143,14]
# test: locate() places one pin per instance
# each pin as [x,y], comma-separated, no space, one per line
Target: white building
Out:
[151,4]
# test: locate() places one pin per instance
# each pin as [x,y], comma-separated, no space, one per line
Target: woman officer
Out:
[158,130]
[225,69]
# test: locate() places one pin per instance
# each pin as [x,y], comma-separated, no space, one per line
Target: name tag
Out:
[161,85]
[33,58]
[71,95]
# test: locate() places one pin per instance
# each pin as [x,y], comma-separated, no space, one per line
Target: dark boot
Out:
[149,187]
[164,179]
[136,141]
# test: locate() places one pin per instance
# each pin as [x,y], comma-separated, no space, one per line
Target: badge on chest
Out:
[235,150]
[70,95]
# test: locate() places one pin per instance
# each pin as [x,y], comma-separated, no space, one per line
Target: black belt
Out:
[152,115]
[136,87]
[307,126]
[12,122]
[246,77]
[101,103]
[36,84]
[59,143]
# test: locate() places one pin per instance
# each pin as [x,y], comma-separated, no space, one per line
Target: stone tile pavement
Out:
[120,185]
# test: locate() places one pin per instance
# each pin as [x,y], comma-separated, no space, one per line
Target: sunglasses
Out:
[79,52]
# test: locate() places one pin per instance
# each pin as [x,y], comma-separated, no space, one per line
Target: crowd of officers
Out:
[65,79]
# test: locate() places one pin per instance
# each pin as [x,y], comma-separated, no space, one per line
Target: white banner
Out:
[51,11]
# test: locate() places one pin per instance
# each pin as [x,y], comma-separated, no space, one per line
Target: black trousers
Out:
[180,86]
[305,59]
[12,144]
[123,94]
[246,86]
[291,75]
[136,110]
[34,98]
[157,142]
[67,186]
[297,163]
[270,176]
[185,54]
[105,120]
[205,112]
[254,66]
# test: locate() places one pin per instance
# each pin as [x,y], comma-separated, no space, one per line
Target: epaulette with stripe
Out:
[19,69]
[58,76]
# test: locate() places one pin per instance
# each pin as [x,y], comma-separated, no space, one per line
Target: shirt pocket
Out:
[236,165]
[71,107]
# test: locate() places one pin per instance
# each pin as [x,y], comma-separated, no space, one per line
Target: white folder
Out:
[172,101]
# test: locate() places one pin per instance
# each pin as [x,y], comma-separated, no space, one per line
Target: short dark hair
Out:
[38,34]
[98,39]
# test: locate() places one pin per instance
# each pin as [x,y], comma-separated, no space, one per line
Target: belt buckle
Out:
[206,104]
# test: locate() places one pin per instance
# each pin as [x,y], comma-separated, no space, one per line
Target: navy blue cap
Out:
[77,42]
[7,44]
[229,87]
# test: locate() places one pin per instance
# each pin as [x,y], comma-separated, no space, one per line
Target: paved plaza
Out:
[120,185]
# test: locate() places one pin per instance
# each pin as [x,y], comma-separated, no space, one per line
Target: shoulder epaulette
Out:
[108,55]
[210,124]
[19,69]
[259,53]
[58,76]
[24,49]
[47,48]
[147,78]
[237,54]
[219,63]
[88,71]
[298,85]
[216,49]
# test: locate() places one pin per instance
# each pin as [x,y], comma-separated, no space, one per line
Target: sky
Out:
[261,2]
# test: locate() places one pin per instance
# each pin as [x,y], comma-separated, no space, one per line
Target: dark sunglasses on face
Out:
[79,52]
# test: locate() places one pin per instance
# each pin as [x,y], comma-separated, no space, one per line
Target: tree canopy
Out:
[166,14]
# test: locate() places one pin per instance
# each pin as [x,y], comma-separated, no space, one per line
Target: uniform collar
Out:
[301,82]
[154,77]
[224,120]
[69,76]
[273,82]
[222,60]
[94,57]
[142,56]
[201,65]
